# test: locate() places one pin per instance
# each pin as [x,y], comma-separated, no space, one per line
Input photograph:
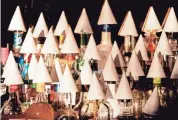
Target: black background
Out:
[52,10]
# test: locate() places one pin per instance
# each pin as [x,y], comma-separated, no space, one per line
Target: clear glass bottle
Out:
[105,111]
[139,100]
[89,109]
[105,46]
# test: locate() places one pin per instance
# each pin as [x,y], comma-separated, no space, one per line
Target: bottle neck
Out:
[83,40]
[61,40]
[106,38]
[129,43]
[157,81]
[17,40]
[40,43]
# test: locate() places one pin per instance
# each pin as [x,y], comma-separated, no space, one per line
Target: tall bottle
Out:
[13,104]
[105,46]
[40,108]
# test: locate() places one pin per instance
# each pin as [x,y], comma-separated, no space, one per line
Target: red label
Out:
[13,88]
[70,57]
[4,55]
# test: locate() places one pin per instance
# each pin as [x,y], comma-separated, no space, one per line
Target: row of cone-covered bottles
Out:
[87,83]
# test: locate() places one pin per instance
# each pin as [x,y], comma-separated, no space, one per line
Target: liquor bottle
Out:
[104,111]
[138,99]
[66,111]
[13,104]
[83,40]
[89,109]
[40,108]
[105,46]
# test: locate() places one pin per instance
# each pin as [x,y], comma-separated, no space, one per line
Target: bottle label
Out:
[17,39]
[13,88]
[4,55]
[40,87]
[157,81]
[70,59]
[33,85]
[106,28]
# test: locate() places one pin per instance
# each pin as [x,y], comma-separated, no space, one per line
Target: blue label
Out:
[17,40]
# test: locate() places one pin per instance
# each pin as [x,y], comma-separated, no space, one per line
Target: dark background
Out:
[52,10]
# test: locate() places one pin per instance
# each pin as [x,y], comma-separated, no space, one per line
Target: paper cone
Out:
[141,47]
[58,68]
[128,26]
[124,90]
[70,45]
[12,74]
[111,91]
[17,22]
[163,45]
[117,56]
[174,74]
[53,75]
[171,23]
[67,83]
[109,94]
[95,91]
[32,68]
[91,51]
[151,22]
[116,107]
[50,46]
[106,15]
[109,72]
[134,66]
[152,105]
[42,74]
[41,29]
[83,25]
[28,45]
[86,73]
[156,70]
[7,65]
[62,25]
